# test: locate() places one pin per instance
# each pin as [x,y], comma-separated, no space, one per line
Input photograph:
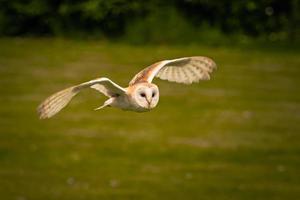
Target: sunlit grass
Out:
[234,137]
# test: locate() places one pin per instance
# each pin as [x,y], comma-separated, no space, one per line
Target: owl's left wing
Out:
[59,100]
[182,70]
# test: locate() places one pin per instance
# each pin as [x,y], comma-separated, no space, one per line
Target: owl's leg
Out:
[108,102]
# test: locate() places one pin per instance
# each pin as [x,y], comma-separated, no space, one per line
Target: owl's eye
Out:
[153,94]
[143,94]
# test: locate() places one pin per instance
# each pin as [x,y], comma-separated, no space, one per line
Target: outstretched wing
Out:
[59,100]
[182,70]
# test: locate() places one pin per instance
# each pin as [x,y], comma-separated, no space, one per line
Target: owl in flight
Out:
[141,95]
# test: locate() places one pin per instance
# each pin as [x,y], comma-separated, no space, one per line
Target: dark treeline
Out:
[151,20]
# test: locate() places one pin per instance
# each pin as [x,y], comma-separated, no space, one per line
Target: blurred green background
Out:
[233,137]
[154,21]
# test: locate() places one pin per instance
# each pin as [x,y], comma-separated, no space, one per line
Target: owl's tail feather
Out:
[56,102]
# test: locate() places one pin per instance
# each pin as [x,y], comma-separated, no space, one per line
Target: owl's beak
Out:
[149,101]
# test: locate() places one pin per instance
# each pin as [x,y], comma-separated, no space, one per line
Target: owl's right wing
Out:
[59,100]
[181,70]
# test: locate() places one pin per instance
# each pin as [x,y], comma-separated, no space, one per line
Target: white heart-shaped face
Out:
[146,95]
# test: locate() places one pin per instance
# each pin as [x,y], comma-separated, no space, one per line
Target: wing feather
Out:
[59,100]
[182,70]
[191,72]
[188,78]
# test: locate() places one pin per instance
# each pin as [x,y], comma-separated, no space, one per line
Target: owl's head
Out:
[146,95]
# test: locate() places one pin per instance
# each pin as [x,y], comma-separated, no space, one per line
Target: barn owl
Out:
[141,95]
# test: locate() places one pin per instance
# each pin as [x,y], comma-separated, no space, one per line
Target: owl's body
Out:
[127,100]
[141,95]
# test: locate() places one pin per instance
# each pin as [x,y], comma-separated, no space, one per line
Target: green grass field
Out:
[234,137]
